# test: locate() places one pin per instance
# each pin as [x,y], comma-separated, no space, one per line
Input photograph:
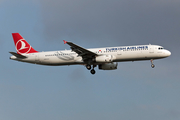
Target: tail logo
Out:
[22,47]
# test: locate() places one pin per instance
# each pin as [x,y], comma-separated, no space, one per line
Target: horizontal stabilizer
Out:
[18,55]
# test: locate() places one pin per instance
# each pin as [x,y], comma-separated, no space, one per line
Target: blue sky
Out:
[133,91]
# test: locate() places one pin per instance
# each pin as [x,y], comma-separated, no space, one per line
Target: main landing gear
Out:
[93,71]
[152,65]
[89,67]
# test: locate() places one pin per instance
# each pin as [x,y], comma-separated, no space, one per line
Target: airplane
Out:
[106,58]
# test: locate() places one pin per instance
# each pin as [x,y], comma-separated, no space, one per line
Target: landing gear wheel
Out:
[93,71]
[88,67]
[152,65]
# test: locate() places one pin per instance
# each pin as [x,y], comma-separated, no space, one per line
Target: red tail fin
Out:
[22,47]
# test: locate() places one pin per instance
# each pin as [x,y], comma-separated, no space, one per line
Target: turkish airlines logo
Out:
[22,47]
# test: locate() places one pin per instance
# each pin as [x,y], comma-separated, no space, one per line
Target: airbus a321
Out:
[105,58]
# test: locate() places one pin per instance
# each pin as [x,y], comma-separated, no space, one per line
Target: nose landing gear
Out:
[152,65]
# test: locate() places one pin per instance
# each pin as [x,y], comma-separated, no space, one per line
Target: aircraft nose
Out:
[168,53]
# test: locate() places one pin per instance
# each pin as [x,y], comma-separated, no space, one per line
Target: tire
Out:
[88,67]
[152,65]
[93,71]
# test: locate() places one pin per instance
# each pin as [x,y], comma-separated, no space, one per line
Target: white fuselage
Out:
[119,54]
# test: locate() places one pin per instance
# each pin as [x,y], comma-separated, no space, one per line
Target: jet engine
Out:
[108,66]
[104,58]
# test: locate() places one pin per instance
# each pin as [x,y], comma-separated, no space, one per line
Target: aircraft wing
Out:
[81,51]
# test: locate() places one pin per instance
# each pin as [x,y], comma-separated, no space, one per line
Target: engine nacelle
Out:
[104,58]
[108,66]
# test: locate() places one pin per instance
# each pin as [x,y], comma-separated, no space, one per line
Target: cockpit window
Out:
[160,48]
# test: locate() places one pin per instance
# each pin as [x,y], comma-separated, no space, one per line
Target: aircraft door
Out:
[36,58]
[151,49]
[119,52]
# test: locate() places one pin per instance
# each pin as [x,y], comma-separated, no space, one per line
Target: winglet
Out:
[65,41]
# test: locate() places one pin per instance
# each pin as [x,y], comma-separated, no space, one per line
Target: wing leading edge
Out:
[84,53]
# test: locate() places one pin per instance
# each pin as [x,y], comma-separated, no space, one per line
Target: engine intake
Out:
[108,66]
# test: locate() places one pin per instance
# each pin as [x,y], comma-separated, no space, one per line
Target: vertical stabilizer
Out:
[22,46]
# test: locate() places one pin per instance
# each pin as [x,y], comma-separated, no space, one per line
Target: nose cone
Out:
[167,53]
